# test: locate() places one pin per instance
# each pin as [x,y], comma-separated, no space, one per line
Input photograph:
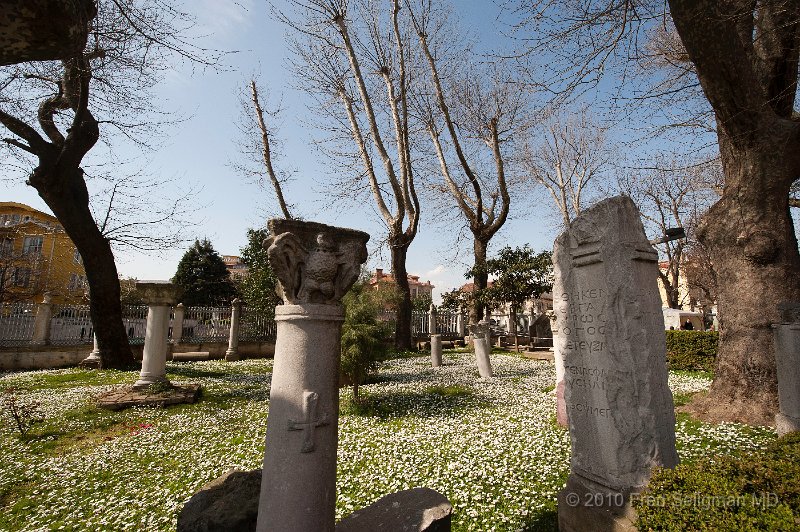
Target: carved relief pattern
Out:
[315,271]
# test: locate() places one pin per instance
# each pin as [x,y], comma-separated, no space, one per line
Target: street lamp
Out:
[670,234]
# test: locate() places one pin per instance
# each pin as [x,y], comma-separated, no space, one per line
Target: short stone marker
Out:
[481,340]
[436,350]
[414,510]
[315,265]
[610,333]
[787,359]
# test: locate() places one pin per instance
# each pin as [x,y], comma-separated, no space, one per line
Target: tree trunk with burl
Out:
[746,60]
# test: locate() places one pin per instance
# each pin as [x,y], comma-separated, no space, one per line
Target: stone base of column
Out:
[785,424]
[91,362]
[586,505]
[436,350]
[232,356]
[147,380]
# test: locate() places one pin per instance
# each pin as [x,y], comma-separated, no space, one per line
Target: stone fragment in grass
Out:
[229,503]
[128,396]
[414,510]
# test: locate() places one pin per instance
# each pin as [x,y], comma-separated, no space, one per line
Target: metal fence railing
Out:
[16,323]
[206,324]
[257,326]
[72,324]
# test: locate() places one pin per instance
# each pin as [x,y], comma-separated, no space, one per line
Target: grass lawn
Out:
[492,447]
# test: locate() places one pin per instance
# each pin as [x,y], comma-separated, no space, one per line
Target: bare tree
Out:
[103,88]
[745,56]
[355,59]
[470,115]
[668,196]
[42,30]
[257,143]
[569,161]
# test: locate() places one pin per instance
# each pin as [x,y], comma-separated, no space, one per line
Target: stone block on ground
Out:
[226,504]
[128,396]
[190,356]
[414,510]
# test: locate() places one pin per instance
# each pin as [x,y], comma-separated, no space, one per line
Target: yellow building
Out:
[37,256]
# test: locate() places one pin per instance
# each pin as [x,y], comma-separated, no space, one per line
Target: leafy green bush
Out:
[692,349]
[758,491]
[365,339]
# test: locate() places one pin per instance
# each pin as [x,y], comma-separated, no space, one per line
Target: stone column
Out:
[159,297]
[436,350]
[233,337]
[432,320]
[481,339]
[787,358]
[610,332]
[461,323]
[41,324]
[93,360]
[315,265]
[177,323]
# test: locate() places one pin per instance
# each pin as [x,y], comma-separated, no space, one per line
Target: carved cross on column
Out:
[310,400]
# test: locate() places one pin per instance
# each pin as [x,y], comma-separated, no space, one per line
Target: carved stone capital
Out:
[314,263]
[162,293]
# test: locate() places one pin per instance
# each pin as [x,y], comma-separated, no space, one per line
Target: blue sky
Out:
[196,153]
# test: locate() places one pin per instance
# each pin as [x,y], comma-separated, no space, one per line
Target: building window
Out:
[22,277]
[76,257]
[6,247]
[32,245]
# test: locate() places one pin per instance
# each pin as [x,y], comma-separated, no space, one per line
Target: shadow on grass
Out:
[544,521]
[434,401]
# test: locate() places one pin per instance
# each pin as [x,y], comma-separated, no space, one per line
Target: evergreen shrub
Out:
[693,350]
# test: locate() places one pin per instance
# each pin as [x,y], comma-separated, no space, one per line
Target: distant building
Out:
[37,257]
[418,288]
[236,268]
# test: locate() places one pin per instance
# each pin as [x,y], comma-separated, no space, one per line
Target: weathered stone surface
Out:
[414,510]
[481,340]
[436,350]
[787,359]
[610,333]
[315,264]
[128,396]
[158,292]
[227,504]
[159,296]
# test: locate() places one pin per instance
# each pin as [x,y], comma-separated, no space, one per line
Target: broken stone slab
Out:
[128,396]
[230,503]
[225,504]
[414,510]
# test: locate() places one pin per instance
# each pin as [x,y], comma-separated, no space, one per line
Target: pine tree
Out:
[257,289]
[203,276]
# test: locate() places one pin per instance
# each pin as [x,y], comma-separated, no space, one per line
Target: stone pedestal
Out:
[610,333]
[432,329]
[481,339]
[93,360]
[787,359]
[41,323]
[315,265]
[177,323]
[233,336]
[159,297]
[436,350]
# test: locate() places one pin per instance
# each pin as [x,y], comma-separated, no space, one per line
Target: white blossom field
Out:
[491,446]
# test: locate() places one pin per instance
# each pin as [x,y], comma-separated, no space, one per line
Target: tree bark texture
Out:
[43,30]
[402,337]
[480,280]
[746,60]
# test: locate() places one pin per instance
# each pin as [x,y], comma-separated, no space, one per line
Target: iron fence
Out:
[257,326]
[71,325]
[16,323]
[206,324]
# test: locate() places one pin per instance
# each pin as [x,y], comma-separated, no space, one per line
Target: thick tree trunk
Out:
[480,280]
[42,30]
[402,334]
[69,201]
[750,237]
